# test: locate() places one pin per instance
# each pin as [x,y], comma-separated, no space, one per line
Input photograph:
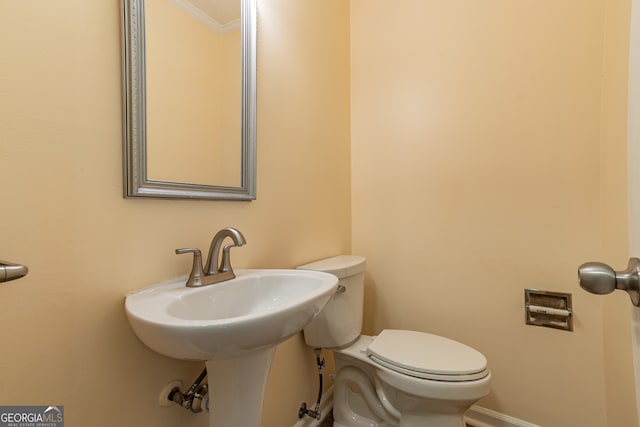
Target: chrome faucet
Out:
[212,272]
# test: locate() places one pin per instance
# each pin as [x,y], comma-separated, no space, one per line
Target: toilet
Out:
[396,378]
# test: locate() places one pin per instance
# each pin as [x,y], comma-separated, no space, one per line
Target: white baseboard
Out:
[326,405]
[478,416]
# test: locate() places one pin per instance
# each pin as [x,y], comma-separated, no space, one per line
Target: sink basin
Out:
[256,310]
[232,326]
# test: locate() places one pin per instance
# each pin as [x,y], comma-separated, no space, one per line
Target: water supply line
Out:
[315,412]
[192,399]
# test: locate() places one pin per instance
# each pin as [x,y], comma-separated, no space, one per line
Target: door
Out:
[633,160]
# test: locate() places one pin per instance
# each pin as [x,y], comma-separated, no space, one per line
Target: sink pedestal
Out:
[234,325]
[236,389]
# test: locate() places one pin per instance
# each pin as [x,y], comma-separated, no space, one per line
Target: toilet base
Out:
[421,423]
[355,405]
[432,420]
[364,398]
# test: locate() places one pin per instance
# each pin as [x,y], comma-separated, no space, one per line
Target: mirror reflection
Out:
[193,70]
[189,68]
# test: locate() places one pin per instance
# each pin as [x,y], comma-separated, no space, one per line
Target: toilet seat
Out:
[427,356]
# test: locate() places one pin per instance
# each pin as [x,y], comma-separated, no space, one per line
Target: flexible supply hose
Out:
[320,364]
[315,412]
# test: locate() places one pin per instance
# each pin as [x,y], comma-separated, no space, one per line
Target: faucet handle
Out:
[197,273]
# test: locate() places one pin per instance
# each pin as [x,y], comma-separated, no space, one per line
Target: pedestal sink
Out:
[233,326]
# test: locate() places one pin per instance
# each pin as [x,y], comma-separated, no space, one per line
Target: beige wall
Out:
[65,339]
[485,148]
[485,153]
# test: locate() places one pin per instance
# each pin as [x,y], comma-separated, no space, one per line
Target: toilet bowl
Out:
[398,377]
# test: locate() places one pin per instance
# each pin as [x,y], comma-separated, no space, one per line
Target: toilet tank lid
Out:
[341,266]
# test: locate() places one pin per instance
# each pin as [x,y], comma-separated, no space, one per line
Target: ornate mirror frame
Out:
[136,182]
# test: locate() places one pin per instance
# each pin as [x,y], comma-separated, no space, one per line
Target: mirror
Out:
[189,98]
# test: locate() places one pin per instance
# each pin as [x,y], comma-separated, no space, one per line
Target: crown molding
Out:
[203,17]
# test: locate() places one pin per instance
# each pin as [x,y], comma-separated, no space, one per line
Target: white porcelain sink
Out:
[233,326]
[257,309]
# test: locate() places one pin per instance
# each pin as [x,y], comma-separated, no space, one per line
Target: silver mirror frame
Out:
[136,183]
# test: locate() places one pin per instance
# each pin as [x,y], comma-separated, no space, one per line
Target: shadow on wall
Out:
[371,307]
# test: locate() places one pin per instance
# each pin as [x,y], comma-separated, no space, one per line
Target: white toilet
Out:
[397,378]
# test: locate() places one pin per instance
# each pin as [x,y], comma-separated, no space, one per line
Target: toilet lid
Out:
[427,356]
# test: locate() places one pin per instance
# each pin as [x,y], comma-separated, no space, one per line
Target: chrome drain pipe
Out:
[192,399]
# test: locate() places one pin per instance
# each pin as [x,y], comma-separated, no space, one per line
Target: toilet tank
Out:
[340,322]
